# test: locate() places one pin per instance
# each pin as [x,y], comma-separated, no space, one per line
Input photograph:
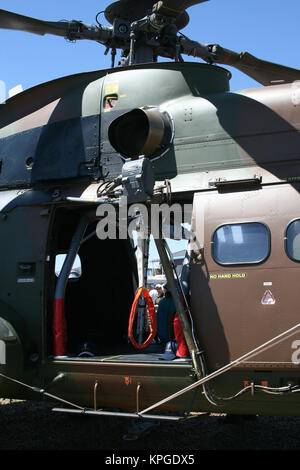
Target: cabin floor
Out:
[127,353]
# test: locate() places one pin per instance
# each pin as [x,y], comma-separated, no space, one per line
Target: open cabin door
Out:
[96,300]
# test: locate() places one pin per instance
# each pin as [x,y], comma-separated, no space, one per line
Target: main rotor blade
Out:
[175,7]
[69,29]
[182,4]
[264,72]
[13,21]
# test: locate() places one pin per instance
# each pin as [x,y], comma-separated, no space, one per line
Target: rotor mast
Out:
[147,29]
[146,26]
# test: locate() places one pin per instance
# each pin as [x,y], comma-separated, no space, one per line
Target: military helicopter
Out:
[151,133]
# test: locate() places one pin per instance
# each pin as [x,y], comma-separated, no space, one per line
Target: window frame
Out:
[70,279]
[286,238]
[212,243]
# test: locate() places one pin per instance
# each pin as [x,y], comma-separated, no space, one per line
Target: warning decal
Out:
[228,276]
[268,298]
[112,88]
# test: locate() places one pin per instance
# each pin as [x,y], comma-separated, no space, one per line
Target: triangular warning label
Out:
[268,298]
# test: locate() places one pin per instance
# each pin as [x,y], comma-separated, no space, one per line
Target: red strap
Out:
[59,328]
[151,313]
[182,350]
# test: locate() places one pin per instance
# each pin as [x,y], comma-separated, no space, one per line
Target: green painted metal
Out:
[217,133]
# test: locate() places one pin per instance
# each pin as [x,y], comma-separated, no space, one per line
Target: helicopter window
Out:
[76,270]
[293,240]
[241,243]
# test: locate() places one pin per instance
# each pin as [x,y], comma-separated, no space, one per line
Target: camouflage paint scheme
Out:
[54,143]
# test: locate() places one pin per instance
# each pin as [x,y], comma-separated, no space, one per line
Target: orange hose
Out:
[151,313]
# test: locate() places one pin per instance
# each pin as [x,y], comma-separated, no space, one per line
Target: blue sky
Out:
[268,29]
[265,28]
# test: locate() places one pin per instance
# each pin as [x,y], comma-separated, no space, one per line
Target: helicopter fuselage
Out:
[234,156]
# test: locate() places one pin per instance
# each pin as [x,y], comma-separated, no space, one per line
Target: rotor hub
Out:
[134,10]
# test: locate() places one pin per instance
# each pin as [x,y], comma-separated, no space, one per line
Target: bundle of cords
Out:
[151,314]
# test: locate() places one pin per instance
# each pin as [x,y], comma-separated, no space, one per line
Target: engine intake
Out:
[142,131]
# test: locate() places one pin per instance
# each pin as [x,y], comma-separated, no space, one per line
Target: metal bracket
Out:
[138,388]
[222,183]
[123,414]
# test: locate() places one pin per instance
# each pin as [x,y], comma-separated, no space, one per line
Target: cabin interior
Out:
[98,296]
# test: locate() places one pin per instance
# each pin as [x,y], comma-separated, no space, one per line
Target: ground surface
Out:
[26,425]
